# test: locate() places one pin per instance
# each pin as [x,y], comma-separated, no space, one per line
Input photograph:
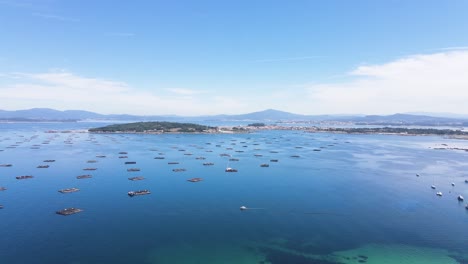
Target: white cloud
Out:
[55,17]
[64,90]
[182,91]
[434,82]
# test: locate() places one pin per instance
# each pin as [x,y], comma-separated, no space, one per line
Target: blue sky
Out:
[209,57]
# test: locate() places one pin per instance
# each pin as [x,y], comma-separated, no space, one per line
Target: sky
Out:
[232,57]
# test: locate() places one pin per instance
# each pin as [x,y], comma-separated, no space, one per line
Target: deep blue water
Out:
[358,190]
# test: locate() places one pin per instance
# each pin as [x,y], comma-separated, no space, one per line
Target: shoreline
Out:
[454,134]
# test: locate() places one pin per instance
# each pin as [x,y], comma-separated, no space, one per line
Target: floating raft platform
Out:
[91,161]
[173,162]
[87,176]
[265,165]
[159,158]
[139,178]
[273,160]
[69,190]
[179,170]
[133,169]
[43,166]
[195,180]
[90,169]
[130,162]
[123,152]
[137,193]
[208,164]
[100,156]
[123,157]
[230,170]
[24,177]
[51,160]
[69,211]
[6,165]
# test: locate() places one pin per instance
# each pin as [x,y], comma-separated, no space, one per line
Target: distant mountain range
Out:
[270,115]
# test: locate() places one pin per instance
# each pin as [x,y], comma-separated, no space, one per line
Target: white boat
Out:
[433,186]
[460,198]
[453,184]
[439,193]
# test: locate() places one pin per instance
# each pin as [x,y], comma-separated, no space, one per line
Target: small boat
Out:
[90,169]
[243,208]
[159,158]
[178,170]
[133,169]
[295,156]
[228,169]
[453,184]
[224,155]
[195,180]
[258,155]
[316,150]
[137,193]
[433,187]
[1,206]
[24,177]
[200,158]
[460,198]
[233,159]
[2,189]
[439,193]
[43,166]
[264,165]
[273,160]
[69,211]
[91,161]
[49,160]
[100,156]
[123,152]
[5,165]
[123,157]
[130,162]
[208,164]
[69,190]
[466,181]
[139,178]
[87,176]
[173,163]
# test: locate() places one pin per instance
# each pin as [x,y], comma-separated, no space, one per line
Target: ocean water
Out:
[357,200]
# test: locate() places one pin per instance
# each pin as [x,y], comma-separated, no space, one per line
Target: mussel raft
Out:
[139,178]
[137,193]
[69,211]
[69,190]
[24,177]
[87,176]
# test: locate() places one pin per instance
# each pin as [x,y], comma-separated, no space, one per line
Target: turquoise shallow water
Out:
[355,201]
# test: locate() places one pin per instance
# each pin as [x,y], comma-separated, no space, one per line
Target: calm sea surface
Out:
[357,200]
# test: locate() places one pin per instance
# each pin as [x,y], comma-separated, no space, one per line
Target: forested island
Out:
[155,127]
